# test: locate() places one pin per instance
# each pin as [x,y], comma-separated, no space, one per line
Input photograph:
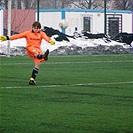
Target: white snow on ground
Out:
[81,42]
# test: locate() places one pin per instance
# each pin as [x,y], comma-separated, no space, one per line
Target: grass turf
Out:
[74,94]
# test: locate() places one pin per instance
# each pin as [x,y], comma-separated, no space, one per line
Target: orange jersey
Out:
[33,39]
[33,42]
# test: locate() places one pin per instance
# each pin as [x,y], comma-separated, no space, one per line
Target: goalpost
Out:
[2,21]
[9,25]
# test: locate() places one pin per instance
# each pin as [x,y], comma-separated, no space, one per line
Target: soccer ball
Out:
[63,24]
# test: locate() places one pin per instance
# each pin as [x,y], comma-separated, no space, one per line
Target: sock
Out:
[39,56]
[34,73]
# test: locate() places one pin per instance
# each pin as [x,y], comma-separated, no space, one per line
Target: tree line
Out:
[80,4]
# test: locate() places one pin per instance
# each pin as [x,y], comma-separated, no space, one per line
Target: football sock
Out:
[39,56]
[34,73]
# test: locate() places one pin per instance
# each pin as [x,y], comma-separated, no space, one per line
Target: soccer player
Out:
[34,38]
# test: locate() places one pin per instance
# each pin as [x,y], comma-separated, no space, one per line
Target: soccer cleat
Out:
[39,56]
[45,56]
[32,81]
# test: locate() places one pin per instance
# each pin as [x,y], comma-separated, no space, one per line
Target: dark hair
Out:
[36,24]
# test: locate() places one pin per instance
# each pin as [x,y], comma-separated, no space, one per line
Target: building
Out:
[21,20]
[88,20]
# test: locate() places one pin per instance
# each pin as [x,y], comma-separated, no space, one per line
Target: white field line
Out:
[80,62]
[80,56]
[65,85]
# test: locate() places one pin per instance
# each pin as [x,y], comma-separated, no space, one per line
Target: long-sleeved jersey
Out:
[33,39]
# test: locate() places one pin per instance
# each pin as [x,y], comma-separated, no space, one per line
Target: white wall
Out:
[127,23]
[50,19]
[75,19]
[97,22]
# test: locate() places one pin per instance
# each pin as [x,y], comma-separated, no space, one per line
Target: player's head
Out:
[36,26]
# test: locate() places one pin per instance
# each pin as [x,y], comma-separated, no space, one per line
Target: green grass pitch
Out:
[74,94]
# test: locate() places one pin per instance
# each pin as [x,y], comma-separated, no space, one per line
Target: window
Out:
[114,24]
[87,24]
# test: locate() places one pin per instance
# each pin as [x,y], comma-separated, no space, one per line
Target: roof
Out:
[84,10]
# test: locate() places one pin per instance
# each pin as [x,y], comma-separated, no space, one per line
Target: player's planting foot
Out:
[45,56]
[32,81]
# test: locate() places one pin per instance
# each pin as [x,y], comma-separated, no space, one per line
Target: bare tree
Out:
[20,4]
[122,4]
[82,4]
[53,3]
[88,4]
[30,4]
[47,4]
[65,3]
[4,3]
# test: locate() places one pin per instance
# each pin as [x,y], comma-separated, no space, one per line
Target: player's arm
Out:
[19,36]
[13,37]
[48,39]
